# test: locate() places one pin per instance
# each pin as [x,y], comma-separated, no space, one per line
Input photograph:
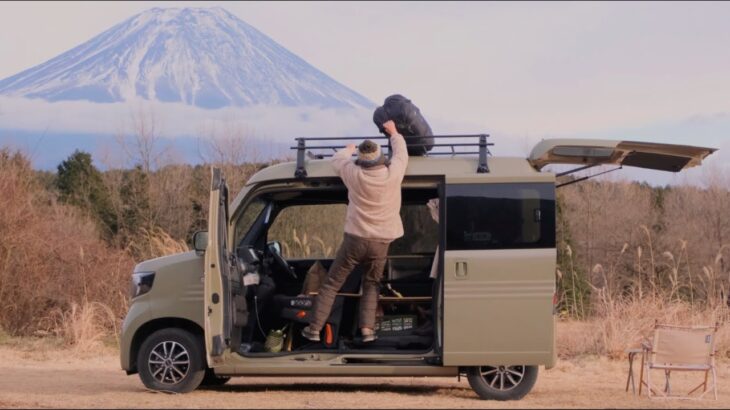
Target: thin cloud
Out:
[175,120]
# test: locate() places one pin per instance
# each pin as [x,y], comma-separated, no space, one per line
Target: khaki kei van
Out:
[472,294]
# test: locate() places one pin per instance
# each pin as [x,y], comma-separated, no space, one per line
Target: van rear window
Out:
[500,216]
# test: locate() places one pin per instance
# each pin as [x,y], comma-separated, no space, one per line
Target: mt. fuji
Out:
[206,58]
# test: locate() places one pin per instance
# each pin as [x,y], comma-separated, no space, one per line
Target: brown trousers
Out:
[354,251]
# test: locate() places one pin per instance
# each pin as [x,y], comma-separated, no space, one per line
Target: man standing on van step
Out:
[372,223]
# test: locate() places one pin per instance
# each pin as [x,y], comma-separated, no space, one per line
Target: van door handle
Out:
[461,270]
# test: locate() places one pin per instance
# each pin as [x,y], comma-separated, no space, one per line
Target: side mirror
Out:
[200,242]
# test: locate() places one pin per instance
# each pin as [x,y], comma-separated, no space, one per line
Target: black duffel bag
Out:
[408,121]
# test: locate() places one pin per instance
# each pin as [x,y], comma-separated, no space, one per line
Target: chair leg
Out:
[703,385]
[628,379]
[649,388]
[648,382]
[641,374]
[713,388]
[631,378]
[666,381]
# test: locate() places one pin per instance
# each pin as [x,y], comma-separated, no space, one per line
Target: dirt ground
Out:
[52,378]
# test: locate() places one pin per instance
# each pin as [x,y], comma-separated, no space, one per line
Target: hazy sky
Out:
[647,70]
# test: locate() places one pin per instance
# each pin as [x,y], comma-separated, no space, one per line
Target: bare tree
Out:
[226,144]
[143,146]
[230,146]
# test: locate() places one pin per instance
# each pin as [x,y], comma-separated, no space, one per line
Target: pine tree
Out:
[80,183]
[136,209]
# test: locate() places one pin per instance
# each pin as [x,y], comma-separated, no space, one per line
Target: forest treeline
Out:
[70,239]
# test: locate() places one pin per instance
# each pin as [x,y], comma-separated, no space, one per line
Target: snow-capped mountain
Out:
[208,58]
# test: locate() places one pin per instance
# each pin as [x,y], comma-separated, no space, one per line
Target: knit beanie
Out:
[370,155]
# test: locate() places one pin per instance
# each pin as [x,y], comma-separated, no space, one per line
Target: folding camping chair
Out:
[679,348]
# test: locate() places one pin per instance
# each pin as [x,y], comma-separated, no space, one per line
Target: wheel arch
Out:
[154,325]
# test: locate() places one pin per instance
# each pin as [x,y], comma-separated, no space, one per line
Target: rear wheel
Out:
[171,360]
[502,382]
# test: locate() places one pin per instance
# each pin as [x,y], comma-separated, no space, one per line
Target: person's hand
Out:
[389,127]
[351,147]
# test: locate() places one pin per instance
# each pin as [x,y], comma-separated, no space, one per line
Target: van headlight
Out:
[141,283]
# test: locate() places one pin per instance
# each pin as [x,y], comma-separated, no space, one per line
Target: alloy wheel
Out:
[169,362]
[503,378]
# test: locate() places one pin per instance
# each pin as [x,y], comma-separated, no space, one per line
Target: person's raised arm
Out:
[342,162]
[399,159]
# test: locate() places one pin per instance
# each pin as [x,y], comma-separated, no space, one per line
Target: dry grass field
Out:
[41,373]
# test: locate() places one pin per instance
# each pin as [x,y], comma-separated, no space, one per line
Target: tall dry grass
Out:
[85,327]
[51,258]
[624,324]
[57,275]
[155,242]
[646,255]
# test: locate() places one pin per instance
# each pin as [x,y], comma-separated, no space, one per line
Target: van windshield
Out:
[247,218]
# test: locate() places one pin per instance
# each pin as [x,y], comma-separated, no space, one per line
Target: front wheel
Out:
[502,382]
[213,380]
[171,360]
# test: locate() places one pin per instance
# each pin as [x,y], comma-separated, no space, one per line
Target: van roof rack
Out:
[481,144]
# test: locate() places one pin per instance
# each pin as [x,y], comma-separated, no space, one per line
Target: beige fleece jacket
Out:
[374,193]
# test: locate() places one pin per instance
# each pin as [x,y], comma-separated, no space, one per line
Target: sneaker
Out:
[310,334]
[368,335]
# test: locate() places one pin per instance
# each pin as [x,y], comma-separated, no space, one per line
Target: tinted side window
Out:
[500,216]
[420,231]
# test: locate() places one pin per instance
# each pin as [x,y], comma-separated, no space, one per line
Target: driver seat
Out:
[298,309]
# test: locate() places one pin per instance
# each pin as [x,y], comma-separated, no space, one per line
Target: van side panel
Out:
[499,273]
[500,312]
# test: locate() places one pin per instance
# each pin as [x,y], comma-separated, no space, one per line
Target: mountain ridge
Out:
[205,57]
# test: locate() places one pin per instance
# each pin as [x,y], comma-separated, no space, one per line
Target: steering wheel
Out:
[274,248]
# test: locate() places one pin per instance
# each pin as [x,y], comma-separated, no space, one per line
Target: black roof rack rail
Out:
[481,144]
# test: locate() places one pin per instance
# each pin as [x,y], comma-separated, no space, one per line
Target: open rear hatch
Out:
[663,157]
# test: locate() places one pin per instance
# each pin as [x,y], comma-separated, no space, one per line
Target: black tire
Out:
[502,382]
[213,380]
[159,371]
